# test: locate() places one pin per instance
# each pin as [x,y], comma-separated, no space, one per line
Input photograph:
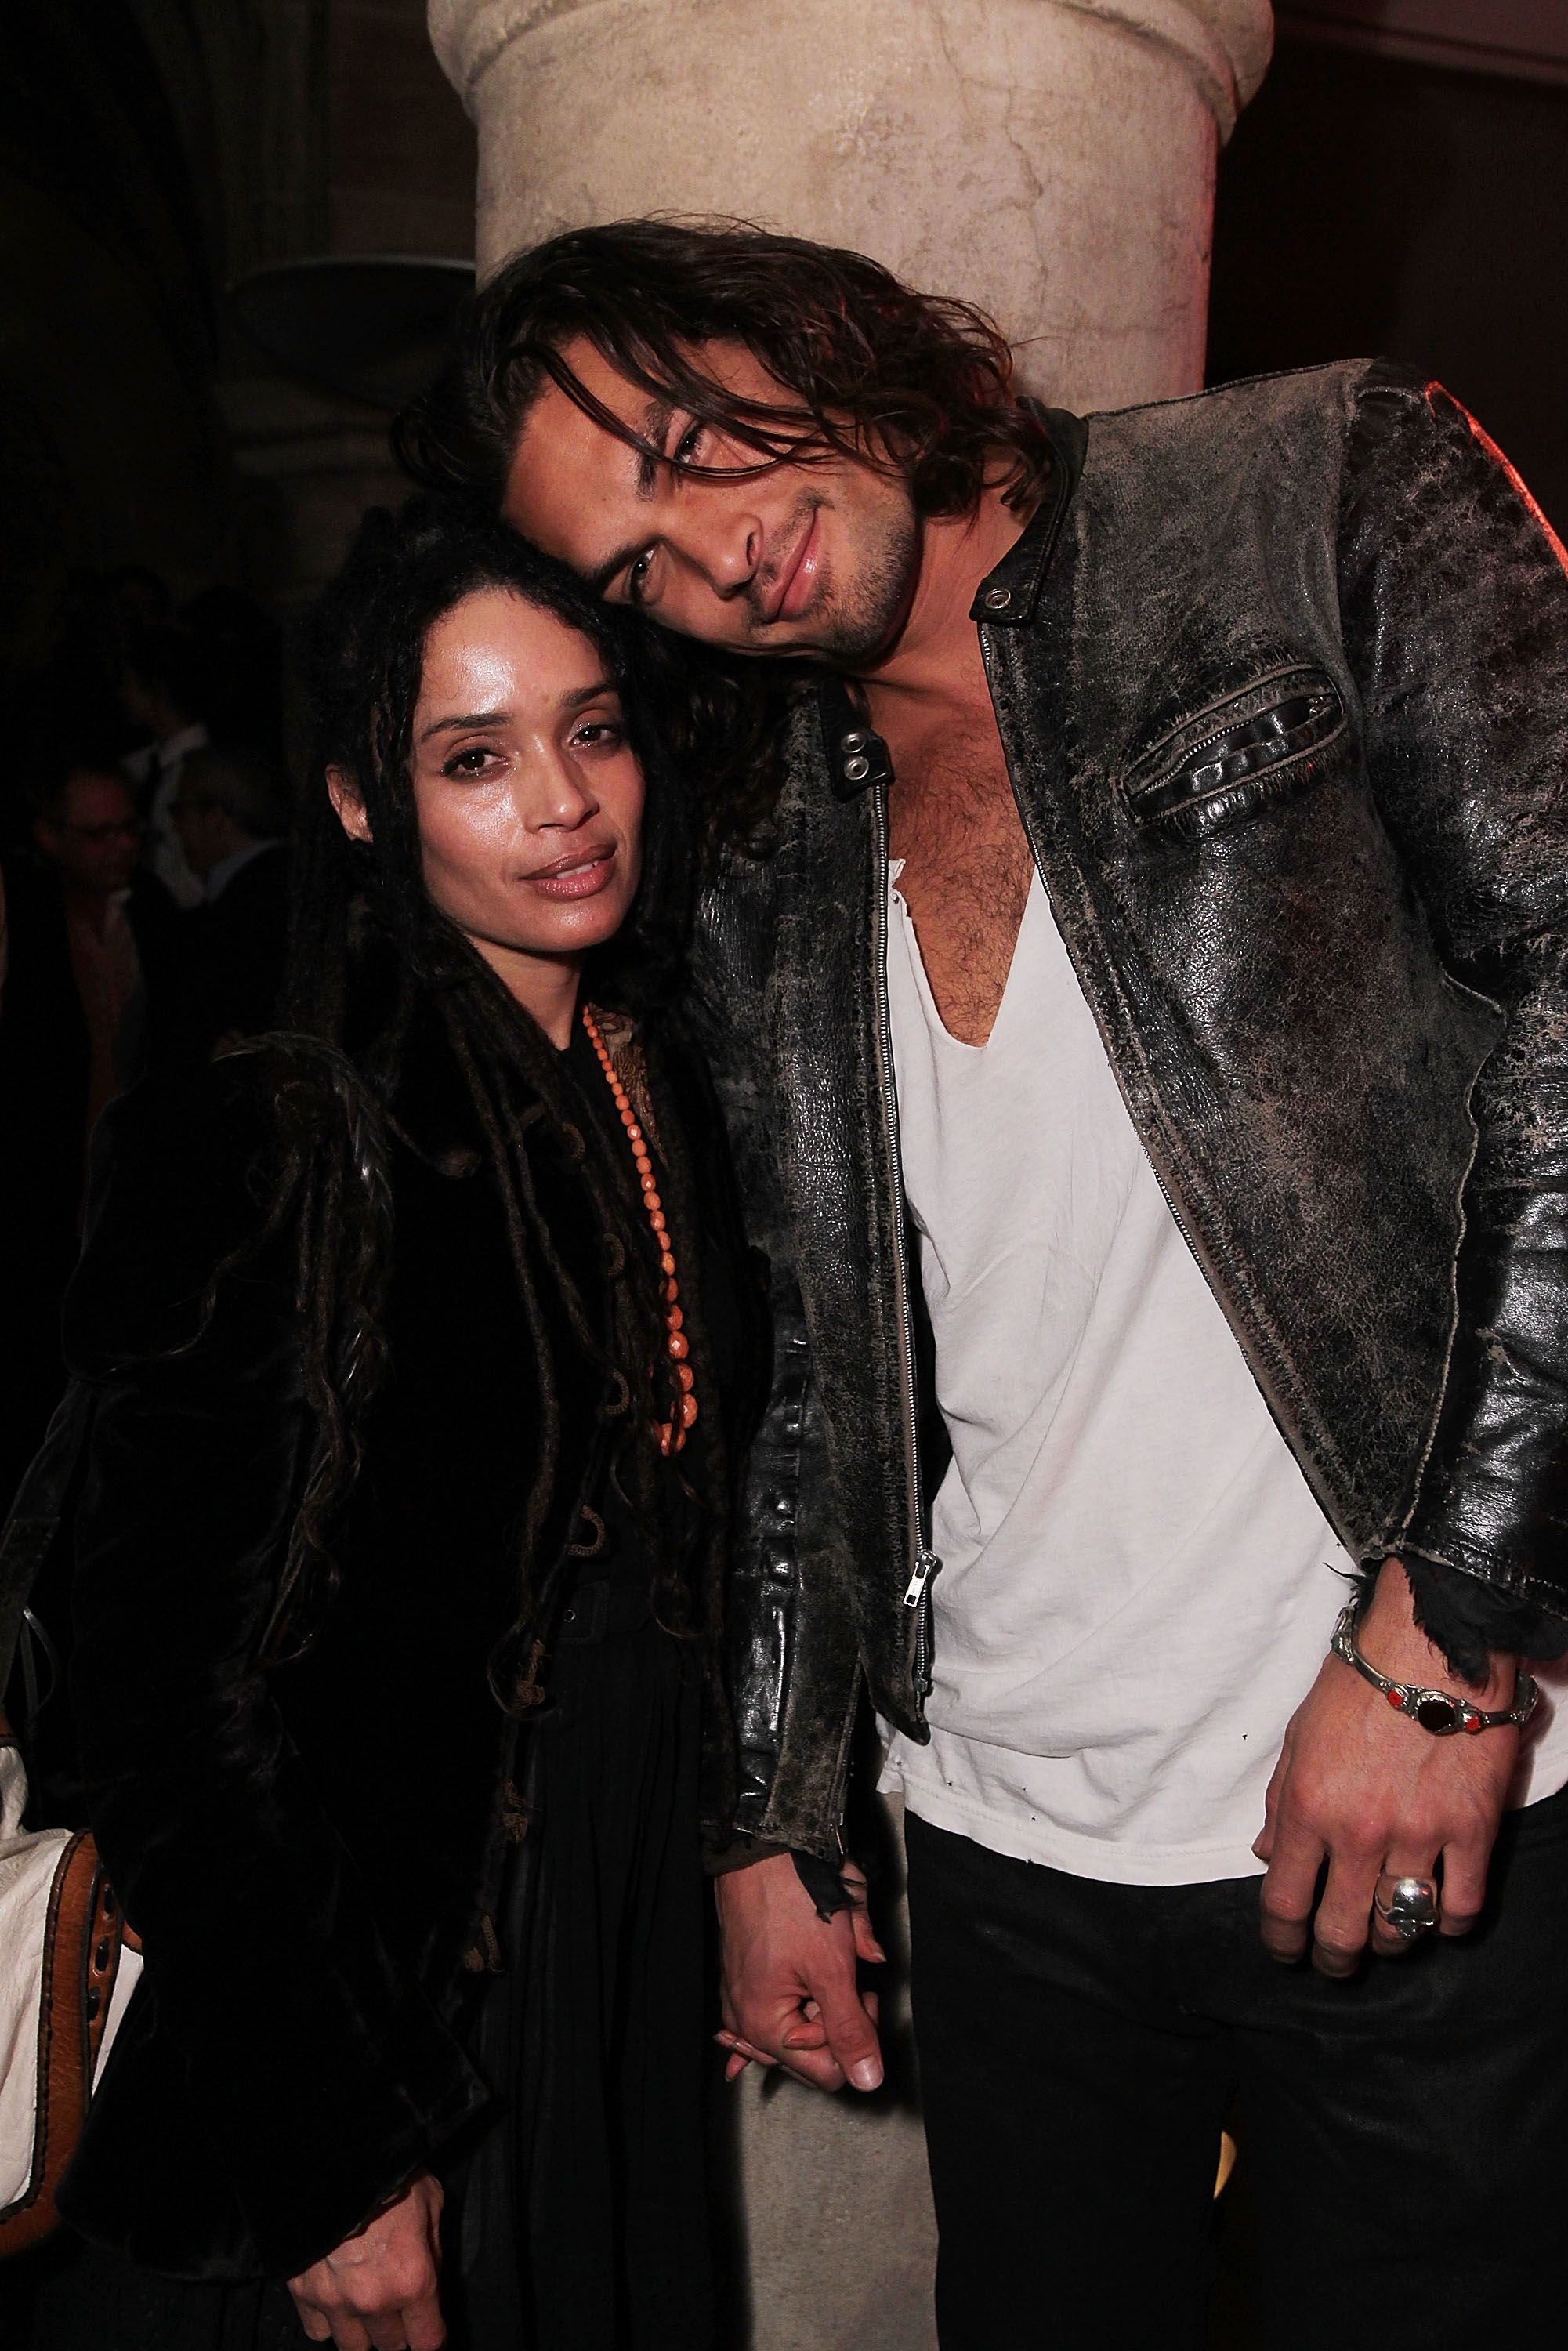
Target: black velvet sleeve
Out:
[318,2071]
[1454,596]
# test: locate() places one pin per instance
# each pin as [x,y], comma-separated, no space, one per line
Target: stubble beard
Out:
[858,620]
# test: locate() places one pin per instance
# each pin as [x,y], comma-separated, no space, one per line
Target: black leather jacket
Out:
[1282,675]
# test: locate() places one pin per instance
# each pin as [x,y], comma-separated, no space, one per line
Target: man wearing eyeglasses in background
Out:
[89,942]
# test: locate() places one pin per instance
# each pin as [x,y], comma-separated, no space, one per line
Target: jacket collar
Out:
[1005,598]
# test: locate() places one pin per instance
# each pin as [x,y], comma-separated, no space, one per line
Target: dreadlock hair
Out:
[915,385]
[365,933]
[364,662]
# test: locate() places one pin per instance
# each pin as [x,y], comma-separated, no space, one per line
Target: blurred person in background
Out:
[91,963]
[231,814]
[137,596]
[160,694]
[239,668]
[71,1025]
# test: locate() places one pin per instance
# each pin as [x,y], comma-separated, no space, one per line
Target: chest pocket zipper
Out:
[1236,758]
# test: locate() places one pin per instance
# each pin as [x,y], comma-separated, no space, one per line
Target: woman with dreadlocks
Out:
[417,1352]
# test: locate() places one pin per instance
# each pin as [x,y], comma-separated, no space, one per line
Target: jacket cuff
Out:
[416,2092]
[1467,1617]
[823,1881]
[820,1878]
[739,1854]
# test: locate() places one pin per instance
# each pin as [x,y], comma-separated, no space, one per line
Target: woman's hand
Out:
[378,2290]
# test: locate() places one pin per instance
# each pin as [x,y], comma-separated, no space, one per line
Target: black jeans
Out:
[1406,2133]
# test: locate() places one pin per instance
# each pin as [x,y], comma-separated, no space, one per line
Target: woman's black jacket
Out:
[305,1850]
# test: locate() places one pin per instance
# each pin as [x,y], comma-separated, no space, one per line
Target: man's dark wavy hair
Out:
[913,384]
[917,384]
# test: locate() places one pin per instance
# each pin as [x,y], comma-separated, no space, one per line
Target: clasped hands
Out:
[1359,1791]
[790,1994]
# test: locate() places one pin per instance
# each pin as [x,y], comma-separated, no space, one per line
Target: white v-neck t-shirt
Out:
[1137,1586]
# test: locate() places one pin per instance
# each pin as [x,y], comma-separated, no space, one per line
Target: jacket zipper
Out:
[924,1562]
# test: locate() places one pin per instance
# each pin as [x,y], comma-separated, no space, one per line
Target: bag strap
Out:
[35,1516]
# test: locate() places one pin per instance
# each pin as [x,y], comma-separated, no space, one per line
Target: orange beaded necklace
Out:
[672,1433]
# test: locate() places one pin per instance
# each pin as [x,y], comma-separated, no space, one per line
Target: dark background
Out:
[153,152]
[1369,204]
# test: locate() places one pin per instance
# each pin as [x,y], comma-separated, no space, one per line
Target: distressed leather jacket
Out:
[1282,675]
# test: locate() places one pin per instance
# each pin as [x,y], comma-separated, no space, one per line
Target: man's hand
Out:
[378,2287]
[790,1995]
[1365,1789]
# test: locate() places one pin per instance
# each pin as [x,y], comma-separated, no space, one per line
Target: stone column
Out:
[1052,160]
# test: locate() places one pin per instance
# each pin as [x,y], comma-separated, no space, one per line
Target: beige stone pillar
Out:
[1051,159]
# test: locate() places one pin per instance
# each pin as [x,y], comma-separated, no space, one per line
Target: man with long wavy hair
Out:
[1135,977]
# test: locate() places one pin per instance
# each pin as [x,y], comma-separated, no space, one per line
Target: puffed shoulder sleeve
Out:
[318,2073]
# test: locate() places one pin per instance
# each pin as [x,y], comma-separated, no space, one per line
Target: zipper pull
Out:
[925,1566]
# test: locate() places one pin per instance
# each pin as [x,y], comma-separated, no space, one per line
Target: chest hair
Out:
[967,868]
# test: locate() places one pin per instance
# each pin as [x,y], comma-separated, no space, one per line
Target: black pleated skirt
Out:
[581,2219]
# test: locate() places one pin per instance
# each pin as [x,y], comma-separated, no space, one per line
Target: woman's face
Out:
[529,795]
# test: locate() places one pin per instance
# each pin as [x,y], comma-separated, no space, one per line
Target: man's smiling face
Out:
[811,560]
